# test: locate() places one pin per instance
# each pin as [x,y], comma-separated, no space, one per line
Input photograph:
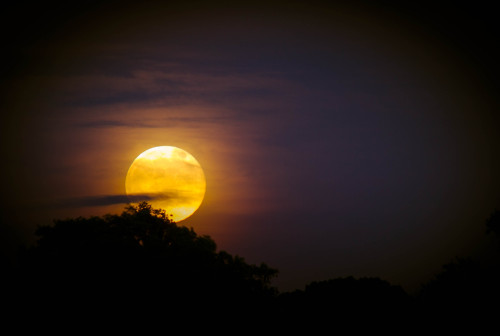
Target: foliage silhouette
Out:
[465,285]
[142,262]
[451,286]
[137,258]
[347,300]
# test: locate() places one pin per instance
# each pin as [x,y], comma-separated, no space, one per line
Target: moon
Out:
[168,178]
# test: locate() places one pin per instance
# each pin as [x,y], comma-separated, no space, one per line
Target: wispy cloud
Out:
[107,123]
[169,85]
[105,200]
[154,122]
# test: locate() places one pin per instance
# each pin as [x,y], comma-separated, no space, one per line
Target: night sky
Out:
[342,139]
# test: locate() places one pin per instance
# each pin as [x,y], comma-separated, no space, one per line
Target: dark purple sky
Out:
[336,140]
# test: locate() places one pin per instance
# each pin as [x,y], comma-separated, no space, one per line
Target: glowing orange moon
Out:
[168,178]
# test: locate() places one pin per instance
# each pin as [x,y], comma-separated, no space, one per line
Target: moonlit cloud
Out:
[167,122]
[105,200]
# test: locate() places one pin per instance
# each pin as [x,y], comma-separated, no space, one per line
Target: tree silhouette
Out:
[465,285]
[136,259]
[358,304]
[140,263]
[458,283]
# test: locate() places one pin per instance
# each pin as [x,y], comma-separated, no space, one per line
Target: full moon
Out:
[168,178]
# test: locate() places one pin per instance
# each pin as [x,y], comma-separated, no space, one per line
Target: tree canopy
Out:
[137,257]
[141,261]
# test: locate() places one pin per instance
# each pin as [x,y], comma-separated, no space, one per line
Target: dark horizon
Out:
[142,265]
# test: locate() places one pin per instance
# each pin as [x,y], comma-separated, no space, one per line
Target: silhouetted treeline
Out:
[467,289]
[344,301]
[135,261]
[141,262]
